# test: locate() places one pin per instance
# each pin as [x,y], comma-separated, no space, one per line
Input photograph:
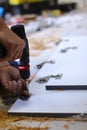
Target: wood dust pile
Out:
[41,43]
[10,122]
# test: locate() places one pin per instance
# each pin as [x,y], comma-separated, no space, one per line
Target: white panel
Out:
[73,65]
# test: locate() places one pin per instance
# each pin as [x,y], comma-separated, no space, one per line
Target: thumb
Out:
[25,92]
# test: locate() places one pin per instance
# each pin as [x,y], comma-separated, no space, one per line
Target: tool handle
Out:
[20,31]
[24,61]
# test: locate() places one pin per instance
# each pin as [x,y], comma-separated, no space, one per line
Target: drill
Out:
[22,64]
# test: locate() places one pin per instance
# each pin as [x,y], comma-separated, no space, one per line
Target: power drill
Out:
[22,64]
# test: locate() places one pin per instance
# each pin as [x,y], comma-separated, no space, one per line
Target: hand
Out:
[11,81]
[13,44]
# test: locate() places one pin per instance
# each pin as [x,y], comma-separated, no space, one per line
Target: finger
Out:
[25,95]
[19,86]
[6,86]
[16,87]
[25,92]
[12,87]
[15,54]
[24,85]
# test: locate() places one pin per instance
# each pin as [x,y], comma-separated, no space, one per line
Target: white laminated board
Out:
[73,66]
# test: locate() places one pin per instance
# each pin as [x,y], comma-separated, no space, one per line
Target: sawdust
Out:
[10,122]
[25,128]
[38,44]
[66,126]
[34,53]
[41,43]
[31,78]
[69,122]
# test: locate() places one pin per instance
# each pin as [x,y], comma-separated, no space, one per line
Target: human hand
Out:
[13,44]
[11,80]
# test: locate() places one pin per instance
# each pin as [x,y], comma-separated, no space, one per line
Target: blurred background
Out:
[36,6]
[17,11]
[15,7]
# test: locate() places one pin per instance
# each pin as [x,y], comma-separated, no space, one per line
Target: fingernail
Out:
[19,82]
